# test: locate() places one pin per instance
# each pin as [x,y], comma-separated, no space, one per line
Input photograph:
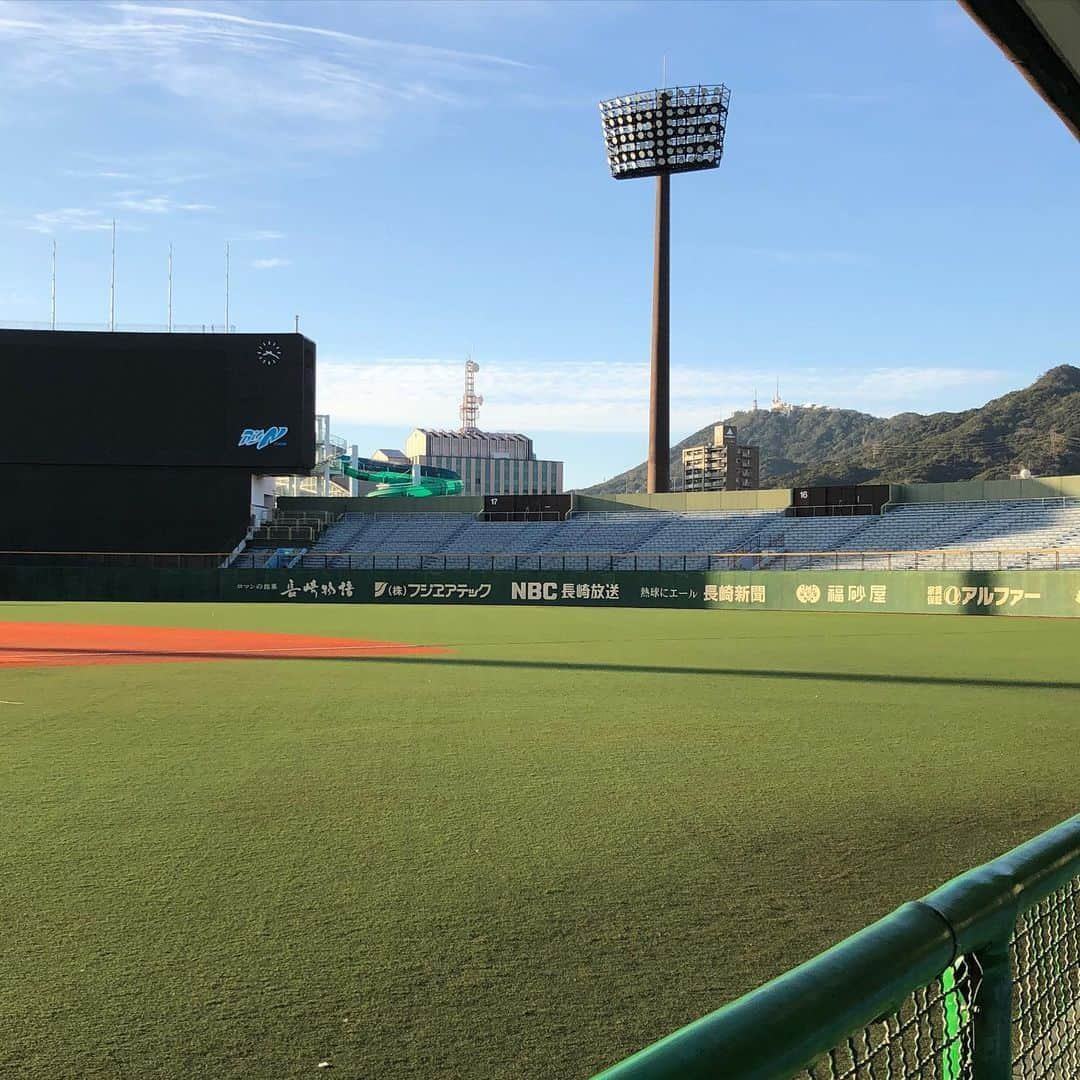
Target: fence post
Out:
[992,1050]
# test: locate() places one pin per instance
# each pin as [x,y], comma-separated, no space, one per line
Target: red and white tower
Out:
[470,400]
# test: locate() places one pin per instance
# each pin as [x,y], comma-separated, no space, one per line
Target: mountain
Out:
[1037,428]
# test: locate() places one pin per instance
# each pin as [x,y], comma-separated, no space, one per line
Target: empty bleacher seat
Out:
[1010,535]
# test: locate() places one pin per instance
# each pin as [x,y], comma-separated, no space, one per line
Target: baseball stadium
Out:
[451,785]
[388,777]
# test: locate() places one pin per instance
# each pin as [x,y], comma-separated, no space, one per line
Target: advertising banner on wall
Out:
[1052,593]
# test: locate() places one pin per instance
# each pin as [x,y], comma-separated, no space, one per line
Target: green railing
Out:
[980,980]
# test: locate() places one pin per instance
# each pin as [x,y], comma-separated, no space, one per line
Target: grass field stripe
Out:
[50,653]
[2,702]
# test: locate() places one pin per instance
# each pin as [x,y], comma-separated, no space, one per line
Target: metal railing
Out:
[593,561]
[979,980]
[149,560]
[522,516]
[974,559]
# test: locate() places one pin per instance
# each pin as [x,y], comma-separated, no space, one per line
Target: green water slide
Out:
[397,480]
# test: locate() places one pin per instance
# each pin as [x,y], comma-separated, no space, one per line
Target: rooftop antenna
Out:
[54,284]
[112,281]
[170,288]
[470,400]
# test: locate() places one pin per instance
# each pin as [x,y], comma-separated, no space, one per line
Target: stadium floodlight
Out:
[657,133]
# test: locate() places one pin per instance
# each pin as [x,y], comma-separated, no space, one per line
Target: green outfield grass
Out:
[528,858]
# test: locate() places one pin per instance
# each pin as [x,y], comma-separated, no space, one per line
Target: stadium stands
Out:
[984,535]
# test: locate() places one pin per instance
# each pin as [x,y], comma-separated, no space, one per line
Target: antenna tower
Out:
[470,400]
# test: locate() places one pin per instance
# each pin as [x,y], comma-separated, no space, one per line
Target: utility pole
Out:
[226,286]
[112,281]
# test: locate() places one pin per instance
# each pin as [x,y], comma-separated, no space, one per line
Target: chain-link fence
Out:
[930,1035]
[1046,998]
[980,980]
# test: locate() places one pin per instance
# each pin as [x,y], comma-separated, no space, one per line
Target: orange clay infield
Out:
[74,645]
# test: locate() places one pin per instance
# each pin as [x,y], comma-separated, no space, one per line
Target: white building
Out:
[488,462]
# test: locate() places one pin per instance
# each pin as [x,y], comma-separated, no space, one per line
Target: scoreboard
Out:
[244,401]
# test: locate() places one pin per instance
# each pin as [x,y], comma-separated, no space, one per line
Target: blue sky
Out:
[893,227]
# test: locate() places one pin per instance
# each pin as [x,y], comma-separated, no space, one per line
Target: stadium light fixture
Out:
[657,133]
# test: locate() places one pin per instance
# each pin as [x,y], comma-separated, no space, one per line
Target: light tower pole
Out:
[657,133]
[658,477]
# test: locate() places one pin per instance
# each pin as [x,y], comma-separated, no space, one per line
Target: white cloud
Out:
[269,264]
[99,174]
[80,219]
[91,219]
[267,234]
[303,86]
[155,11]
[807,256]
[613,397]
[140,203]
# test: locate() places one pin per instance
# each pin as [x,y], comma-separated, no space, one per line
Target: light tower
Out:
[470,400]
[657,133]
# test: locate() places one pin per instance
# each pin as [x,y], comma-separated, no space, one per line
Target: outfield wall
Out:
[1040,487]
[388,504]
[683,501]
[978,592]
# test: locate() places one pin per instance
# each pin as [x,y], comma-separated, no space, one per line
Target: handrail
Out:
[593,554]
[785,1025]
[366,555]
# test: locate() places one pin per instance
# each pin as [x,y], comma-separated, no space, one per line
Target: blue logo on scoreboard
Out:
[261,438]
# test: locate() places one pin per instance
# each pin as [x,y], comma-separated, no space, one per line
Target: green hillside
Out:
[1037,428]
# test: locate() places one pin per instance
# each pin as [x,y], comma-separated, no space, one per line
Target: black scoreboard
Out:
[244,401]
[526,507]
[838,500]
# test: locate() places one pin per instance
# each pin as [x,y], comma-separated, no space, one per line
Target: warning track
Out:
[24,644]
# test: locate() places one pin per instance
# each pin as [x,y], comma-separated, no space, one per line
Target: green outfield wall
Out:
[683,501]
[341,504]
[1053,594]
[1041,487]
